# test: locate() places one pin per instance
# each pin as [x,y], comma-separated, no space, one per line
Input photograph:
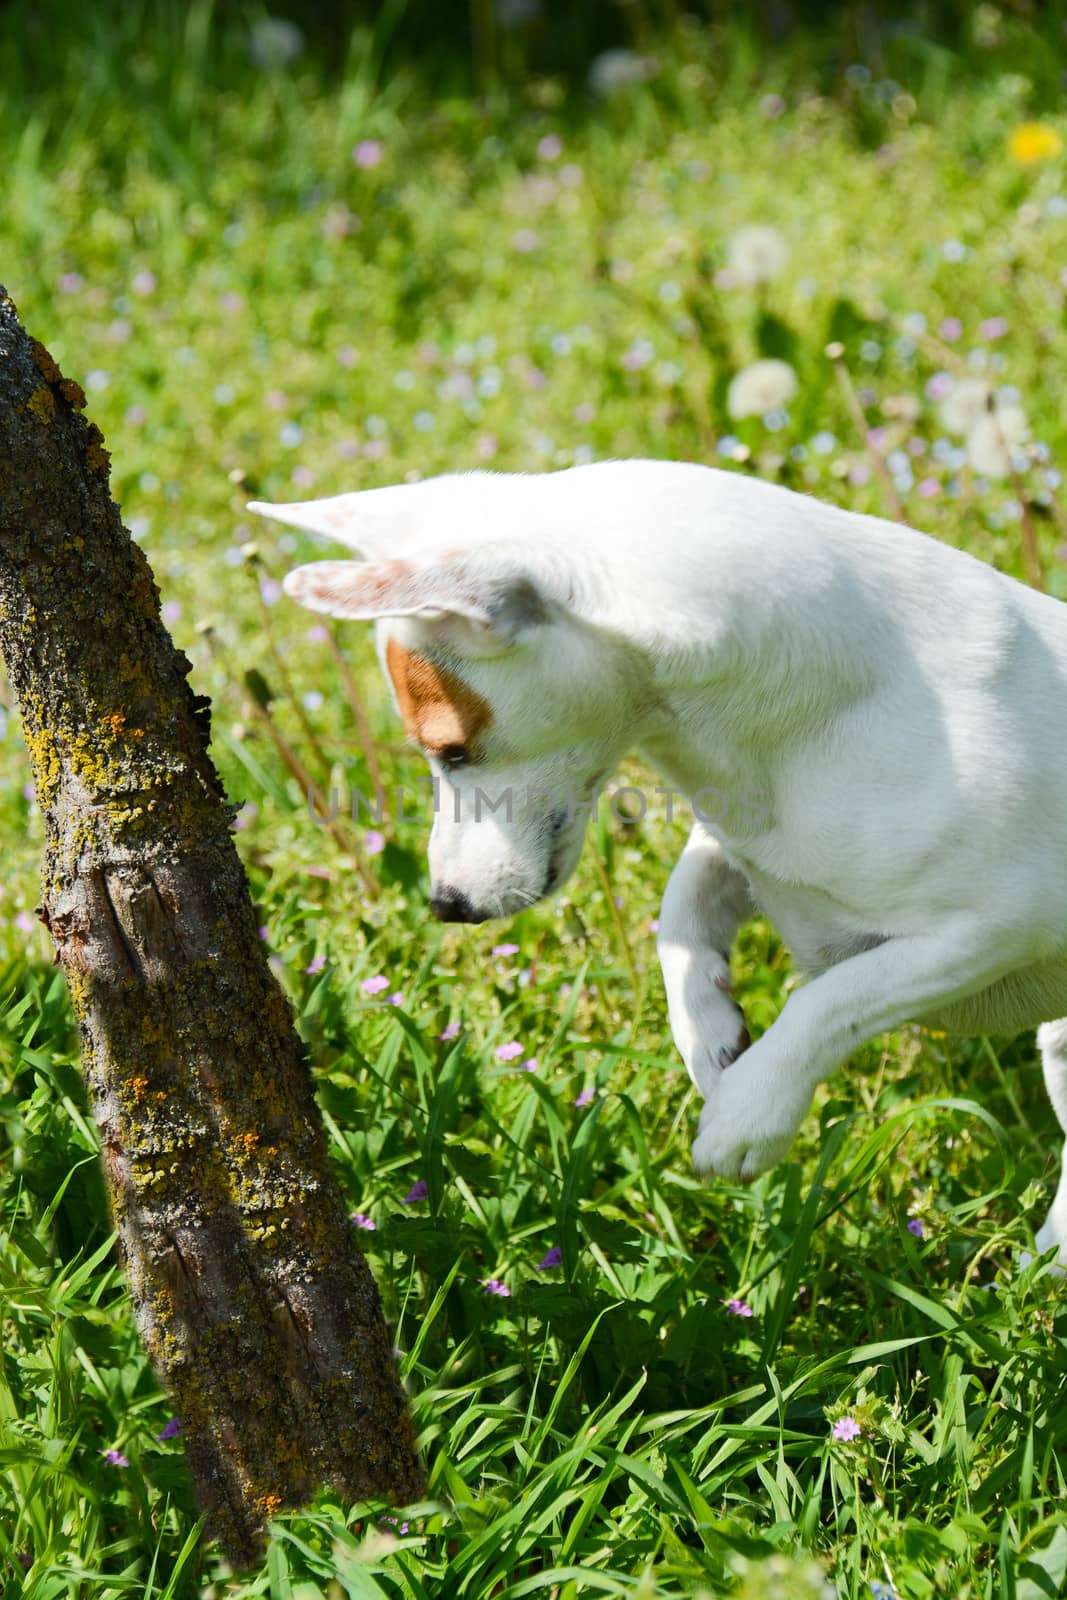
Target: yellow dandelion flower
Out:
[1034,141]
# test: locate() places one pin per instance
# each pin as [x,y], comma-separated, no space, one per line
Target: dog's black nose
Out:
[452,905]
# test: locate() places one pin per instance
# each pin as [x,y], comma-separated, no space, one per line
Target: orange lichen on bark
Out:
[45,362]
[97,458]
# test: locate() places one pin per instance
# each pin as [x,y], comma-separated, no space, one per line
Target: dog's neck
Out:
[719,718]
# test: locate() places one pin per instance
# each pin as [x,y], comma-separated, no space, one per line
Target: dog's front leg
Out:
[754,1111]
[1052,1039]
[705,900]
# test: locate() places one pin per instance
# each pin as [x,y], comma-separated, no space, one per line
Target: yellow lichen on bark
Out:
[42,403]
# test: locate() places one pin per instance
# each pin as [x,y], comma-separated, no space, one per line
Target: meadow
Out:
[277,277]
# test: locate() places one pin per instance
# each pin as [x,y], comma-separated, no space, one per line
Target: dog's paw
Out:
[747,1125]
[709,1031]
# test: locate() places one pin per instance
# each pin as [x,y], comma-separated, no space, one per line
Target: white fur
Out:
[884,717]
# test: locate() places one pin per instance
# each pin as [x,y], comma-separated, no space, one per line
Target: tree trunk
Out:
[258,1310]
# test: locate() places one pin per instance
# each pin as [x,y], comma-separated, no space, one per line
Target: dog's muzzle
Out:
[452,905]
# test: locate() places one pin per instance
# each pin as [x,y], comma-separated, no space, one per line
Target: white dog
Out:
[872,724]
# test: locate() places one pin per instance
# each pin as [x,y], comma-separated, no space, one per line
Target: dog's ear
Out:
[428,557]
[360,520]
[485,588]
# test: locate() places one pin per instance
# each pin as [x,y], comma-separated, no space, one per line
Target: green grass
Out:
[256,315]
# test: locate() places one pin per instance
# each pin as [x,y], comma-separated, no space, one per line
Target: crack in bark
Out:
[298,1335]
[99,878]
[189,1279]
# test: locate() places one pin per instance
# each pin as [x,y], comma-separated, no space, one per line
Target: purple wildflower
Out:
[846,1428]
[271,590]
[450,1032]
[170,611]
[586,1097]
[401,1527]
[738,1308]
[317,634]
[397,999]
[361,1219]
[368,153]
[915,1227]
[418,1191]
[531,1065]
[554,1258]
[494,1286]
[114,1458]
[315,965]
[508,1052]
[171,1429]
[505,949]
[374,985]
[951,329]
[550,148]
[373,842]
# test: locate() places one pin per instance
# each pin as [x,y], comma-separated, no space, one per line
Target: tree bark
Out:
[258,1310]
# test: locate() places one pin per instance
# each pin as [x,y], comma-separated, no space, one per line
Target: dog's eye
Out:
[453,755]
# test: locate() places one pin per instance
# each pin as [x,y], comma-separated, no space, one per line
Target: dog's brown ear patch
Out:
[438,709]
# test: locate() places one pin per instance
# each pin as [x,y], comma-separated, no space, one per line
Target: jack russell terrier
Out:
[884,717]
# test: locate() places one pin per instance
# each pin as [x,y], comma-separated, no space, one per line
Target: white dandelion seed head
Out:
[995,439]
[514,13]
[756,254]
[613,71]
[274,42]
[765,386]
[964,405]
